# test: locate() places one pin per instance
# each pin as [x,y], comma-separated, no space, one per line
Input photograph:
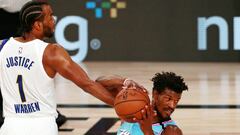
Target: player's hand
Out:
[130,83]
[147,120]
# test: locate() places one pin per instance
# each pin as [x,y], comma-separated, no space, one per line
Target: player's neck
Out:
[31,36]
[156,120]
[159,119]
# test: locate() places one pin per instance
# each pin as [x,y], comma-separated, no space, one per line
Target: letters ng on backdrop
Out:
[152,30]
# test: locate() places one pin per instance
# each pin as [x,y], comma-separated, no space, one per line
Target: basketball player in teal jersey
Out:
[166,93]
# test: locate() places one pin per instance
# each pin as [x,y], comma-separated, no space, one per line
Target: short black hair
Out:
[168,80]
[29,13]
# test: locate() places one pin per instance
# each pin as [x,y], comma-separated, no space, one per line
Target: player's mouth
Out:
[169,112]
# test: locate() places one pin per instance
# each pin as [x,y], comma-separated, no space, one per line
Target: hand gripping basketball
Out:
[130,83]
[129,103]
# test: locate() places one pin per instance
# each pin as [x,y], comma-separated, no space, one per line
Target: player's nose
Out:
[172,105]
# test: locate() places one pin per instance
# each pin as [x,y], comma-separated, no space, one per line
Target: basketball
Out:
[129,103]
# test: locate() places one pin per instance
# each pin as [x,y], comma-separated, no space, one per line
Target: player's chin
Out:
[50,35]
[166,115]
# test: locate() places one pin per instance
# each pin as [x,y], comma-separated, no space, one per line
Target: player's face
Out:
[165,102]
[48,22]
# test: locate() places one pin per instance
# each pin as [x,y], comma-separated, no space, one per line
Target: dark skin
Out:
[56,59]
[172,130]
[112,84]
[163,103]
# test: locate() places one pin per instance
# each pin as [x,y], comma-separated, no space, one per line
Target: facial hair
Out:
[47,32]
[160,117]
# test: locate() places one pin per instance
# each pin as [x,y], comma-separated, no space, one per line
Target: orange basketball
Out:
[129,103]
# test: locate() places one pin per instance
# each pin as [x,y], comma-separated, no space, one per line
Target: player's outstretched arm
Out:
[112,83]
[115,84]
[172,130]
[57,60]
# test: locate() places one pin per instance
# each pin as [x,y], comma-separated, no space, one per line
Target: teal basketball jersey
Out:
[134,128]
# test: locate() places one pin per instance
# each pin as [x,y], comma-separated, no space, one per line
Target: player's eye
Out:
[176,101]
[167,98]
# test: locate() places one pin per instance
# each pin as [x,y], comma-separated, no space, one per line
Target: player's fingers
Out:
[124,87]
[143,111]
[140,87]
[155,113]
[148,113]
[141,122]
[134,85]
[144,90]
[136,120]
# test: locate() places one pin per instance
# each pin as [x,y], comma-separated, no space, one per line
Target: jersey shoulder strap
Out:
[2,43]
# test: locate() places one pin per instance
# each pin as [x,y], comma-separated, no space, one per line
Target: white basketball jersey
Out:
[26,88]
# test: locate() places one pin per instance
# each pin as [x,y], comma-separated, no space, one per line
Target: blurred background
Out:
[139,30]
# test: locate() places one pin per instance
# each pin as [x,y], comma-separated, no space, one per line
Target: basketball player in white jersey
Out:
[28,66]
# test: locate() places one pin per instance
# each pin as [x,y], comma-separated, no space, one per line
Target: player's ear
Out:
[154,96]
[38,25]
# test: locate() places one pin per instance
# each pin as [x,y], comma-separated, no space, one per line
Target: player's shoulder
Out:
[169,123]
[170,130]
[170,127]
[54,50]
[53,47]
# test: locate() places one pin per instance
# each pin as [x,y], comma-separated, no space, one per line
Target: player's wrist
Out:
[125,81]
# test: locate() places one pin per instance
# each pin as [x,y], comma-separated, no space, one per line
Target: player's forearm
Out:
[111,81]
[79,77]
[99,92]
[113,84]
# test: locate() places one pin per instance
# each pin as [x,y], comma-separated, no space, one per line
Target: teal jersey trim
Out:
[134,128]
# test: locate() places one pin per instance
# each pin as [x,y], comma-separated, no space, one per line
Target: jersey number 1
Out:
[20,87]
